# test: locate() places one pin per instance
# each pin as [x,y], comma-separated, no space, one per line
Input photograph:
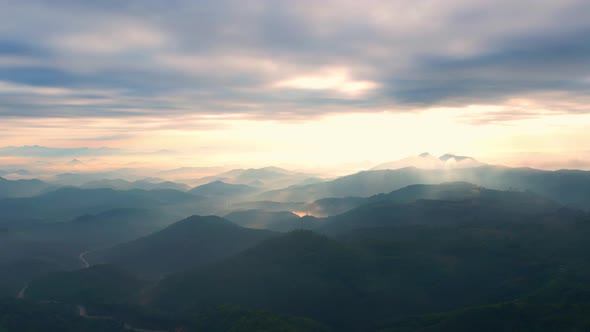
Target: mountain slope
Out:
[60,243]
[371,277]
[190,242]
[445,191]
[428,161]
[332,206]
[423,160]
[68,203]
[27,316]
[107,228]
[456,203]
[280,221]
[267,177]
[119,184]
[502,317]
[97,285]
[22,188]
[564,186]
[300,273]
[222,189]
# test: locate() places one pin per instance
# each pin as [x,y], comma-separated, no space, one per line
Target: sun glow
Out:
[337,79]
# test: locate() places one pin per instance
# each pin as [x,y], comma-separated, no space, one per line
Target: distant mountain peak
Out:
[219,187]
[449,156]
[274,169]
[74,162]
[215,221]
[427,161]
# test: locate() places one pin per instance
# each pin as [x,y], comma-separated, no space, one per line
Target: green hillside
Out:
[190,242]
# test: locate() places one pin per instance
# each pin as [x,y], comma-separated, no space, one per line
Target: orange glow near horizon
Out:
[325,142]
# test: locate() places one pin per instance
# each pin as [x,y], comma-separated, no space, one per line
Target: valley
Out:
[368,263]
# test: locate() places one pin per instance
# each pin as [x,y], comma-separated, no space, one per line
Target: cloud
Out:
[113,38]
[48,152]
[289,60]
[336,80]
[105,138]
[51,152]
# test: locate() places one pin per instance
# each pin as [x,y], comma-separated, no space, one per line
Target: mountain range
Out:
[222,189]
[23,188]
[67,203]
[119,184]
[412,252]
[408,249]
[201,240]
[265,178]
[427,161]
[567,187]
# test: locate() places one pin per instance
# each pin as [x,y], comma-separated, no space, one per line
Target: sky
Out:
[304,84]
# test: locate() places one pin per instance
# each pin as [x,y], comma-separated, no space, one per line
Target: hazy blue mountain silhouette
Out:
[23,188]
[222,189]
[190,242]
[280,221]
[565,186]
[67,203]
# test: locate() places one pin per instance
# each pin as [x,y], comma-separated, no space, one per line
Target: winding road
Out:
[21,293]
[83,260]
[82,312]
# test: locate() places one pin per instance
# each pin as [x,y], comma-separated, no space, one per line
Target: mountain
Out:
[79,178]
[455,158]
[451,203]
[424,160]
[446,257]
[267,177]
[222,189]
[182,173]
[109,227]
[512,316]
[568,187]
[74,162]
[264,205]
[446,191]
[367,279]
[359,284]
[97,285]
[300,273]
[280,221]
[119,184]
[427,161]
[332,206]
[22,188]
[190,242]
[362,184]
[31,251]
[22,172]
[235,318]
[17,272]
[67,203]
[18,315]
[27,316]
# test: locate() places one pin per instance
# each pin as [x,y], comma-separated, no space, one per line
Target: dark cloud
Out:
[145,58]
[15,47]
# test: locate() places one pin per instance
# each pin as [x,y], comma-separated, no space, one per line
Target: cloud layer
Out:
[290,60]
